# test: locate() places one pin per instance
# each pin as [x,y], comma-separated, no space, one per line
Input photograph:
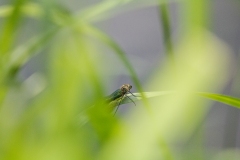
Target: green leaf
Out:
[129,98]
[137,96]
[9,27]
[232,101]
[108,9]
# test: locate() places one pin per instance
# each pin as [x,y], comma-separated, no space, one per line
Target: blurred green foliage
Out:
[59,114]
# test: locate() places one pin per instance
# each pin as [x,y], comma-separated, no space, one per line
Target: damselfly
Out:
[119,95]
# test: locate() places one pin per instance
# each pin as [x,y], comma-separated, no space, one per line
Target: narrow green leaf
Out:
[137,96]
[232,101]
[129,98]
[166,29]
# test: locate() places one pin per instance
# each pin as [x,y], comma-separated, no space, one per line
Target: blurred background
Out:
[137,28]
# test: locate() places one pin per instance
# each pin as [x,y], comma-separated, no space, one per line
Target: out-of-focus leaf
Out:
[107,9]
[29,9]
[8,32]
[166,30]
[24,52]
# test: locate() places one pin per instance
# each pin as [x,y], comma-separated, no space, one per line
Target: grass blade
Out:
[166,28]
[232,101]
[229,100]
[108,9]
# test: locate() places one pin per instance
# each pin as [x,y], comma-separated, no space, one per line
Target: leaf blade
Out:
[229,100]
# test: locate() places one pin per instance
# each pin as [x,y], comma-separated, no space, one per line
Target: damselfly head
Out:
[126,88]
